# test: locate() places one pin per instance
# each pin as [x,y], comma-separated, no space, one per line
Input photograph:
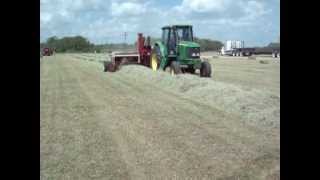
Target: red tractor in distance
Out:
[47,51]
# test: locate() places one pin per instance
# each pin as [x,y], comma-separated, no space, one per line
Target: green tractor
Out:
[179,52]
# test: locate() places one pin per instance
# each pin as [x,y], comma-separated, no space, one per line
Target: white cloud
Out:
[45,17]
[105,20]
[204,5]
[127,8]
[254,9]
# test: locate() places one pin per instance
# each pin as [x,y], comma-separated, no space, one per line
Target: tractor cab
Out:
[178,51]
[173,35]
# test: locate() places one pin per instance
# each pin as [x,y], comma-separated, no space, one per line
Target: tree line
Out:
[82,44]
[68,44]
[208,44]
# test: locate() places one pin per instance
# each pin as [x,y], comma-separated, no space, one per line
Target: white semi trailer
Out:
[236,48]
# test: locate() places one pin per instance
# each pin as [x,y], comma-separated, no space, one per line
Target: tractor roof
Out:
[171,26]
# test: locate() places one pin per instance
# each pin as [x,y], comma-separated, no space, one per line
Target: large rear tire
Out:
[175,68]
[155,58]
[205,70]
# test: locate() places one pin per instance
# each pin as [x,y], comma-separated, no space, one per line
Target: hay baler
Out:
[141,56]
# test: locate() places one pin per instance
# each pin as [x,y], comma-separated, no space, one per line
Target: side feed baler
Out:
[141,56]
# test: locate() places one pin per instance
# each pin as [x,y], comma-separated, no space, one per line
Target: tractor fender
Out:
[163,51]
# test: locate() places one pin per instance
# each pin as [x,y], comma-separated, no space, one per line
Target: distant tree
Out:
[205,44]
[52,41]
[42,45]
[208,44]
[69,44]
[274,45]
[81,44]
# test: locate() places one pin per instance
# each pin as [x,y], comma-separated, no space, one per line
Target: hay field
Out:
[140,124]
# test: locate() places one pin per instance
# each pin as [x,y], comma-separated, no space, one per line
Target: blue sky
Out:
[257,22]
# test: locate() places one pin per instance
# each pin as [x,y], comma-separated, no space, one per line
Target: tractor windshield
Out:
[184,33]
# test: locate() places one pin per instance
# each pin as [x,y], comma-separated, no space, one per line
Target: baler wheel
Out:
[109,67]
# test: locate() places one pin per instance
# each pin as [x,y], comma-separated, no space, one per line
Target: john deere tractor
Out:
[178,52]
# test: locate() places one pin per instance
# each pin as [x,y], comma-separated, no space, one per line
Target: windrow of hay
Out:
[256,107]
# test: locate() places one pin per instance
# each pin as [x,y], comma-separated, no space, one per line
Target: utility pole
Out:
[125,37]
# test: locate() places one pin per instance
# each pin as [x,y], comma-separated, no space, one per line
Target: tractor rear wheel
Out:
[155,59]
[175,68]
[205,70]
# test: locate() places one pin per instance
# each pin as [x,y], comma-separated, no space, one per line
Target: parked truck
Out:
[268,50]
[236,48]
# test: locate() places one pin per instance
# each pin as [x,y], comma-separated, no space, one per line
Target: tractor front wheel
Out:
[205,70]
[175,68]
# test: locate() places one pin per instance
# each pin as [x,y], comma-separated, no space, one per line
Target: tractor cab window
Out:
[172,43]
[184,34]
[165,36]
